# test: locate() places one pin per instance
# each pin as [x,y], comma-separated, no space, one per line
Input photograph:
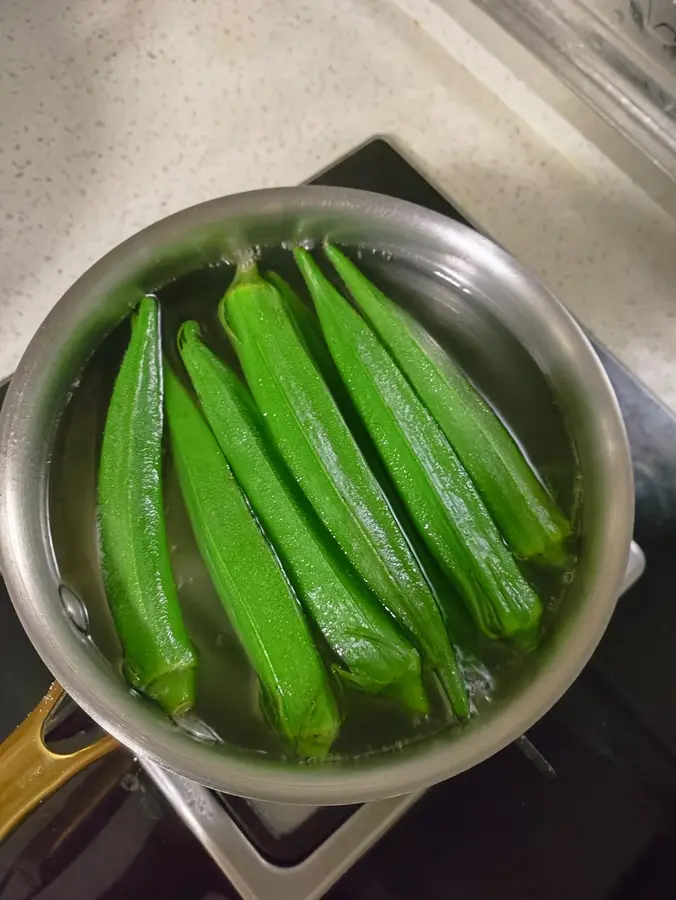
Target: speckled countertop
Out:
[114,113]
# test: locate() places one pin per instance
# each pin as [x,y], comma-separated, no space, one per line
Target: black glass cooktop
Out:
[603,827]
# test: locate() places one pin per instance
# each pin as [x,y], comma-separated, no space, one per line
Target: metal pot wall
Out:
[474,290]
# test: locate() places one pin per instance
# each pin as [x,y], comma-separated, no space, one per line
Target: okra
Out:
[523,509]
[439,494]
[309,432]
[372,653]
[307,328]
[159,659]
[249,580]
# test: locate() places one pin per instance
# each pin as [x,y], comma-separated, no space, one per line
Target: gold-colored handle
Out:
[30,772]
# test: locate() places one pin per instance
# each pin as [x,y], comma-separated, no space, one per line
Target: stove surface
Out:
[600,824]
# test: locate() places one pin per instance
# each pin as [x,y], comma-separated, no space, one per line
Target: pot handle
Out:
[30,772]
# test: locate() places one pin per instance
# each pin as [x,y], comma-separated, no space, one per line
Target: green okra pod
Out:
[251,584]
[307,328]
[158,657]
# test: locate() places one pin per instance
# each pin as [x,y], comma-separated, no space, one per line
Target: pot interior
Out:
[457,314]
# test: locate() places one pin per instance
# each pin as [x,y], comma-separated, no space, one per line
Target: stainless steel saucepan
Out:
[522,348]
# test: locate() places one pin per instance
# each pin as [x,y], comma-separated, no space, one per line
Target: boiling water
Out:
[226,685]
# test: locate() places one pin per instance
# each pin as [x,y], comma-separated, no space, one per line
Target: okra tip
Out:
[557,555]
[313,275]
[410,692]
[174,691]
[333,253]
[330,249]
[312,738]
[301,255]
[147,306]
[315,746]
[276,280]
[189,330]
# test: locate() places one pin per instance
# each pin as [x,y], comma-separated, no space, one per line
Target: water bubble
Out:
[196,728]
[130,783]
[75,608]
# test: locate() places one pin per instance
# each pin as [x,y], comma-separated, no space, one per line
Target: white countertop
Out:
[114,113]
